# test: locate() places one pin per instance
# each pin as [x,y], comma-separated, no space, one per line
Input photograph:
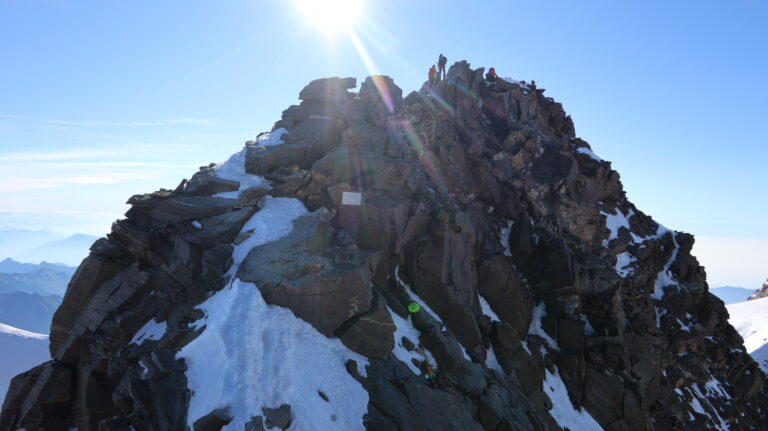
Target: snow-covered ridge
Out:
[10,330]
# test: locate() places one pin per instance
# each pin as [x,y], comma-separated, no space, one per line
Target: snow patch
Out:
[197,224]
[269,139]
[151,330]
[623,263]
[539,312]
[614,222]
[234,170]
[504,238]
[562,409]
[587,151]
[415,298]
[405,329]
[253,355]
[665,277]
[492,362]
[273,221]
[486,307]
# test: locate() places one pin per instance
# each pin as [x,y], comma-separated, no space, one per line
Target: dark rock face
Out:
[760,293]
[476,198]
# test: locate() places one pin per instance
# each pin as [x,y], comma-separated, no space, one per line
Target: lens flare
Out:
[331,16]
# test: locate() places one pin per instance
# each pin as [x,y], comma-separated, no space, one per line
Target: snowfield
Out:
[751,320]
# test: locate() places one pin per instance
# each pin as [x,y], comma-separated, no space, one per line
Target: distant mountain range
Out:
[30,293]
[731,294]
[13,241]
[43,279]
[19,349]
[70,250]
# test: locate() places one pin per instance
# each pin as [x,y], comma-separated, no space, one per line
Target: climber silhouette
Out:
[441,62]
[491,75]
[432,75]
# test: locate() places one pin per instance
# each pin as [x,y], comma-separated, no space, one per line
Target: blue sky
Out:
[104,99]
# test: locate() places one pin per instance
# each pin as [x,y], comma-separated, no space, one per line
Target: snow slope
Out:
[252,355]
[751,320]
[20,350]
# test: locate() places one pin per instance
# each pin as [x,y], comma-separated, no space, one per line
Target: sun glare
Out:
[331,16]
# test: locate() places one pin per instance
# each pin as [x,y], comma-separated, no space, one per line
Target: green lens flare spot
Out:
[414,307]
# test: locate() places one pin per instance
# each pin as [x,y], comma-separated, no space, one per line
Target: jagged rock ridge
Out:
[760,293]
[547,299]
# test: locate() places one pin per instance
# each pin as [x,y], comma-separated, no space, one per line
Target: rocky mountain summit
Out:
[456,259]
[760,293]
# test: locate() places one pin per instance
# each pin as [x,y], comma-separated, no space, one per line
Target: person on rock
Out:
[491,76]
[432,75]
[441,62]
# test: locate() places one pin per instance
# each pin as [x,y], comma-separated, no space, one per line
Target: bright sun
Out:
[332,16]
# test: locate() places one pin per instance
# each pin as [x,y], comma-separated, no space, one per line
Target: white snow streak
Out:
[562,409]
[414,297]
[486,307]
[7,329]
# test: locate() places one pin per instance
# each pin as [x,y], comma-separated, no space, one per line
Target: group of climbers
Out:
[437,73]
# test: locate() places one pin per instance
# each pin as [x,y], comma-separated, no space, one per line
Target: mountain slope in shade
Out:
[750,318]
[29,311]
[70,250]
[731,294]
[19,350]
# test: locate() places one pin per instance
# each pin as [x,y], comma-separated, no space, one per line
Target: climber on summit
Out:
[491,75]
[441,62]
[432,75]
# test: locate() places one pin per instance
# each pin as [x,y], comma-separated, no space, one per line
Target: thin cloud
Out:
[23,184]
[87,123]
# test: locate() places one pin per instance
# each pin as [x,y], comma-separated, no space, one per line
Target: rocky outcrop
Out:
[760,293]
[542,289]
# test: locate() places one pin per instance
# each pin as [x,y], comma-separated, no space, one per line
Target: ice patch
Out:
[197,224]
[562,409]
[234,170]
[150,331]
[253,355]
[587,151]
